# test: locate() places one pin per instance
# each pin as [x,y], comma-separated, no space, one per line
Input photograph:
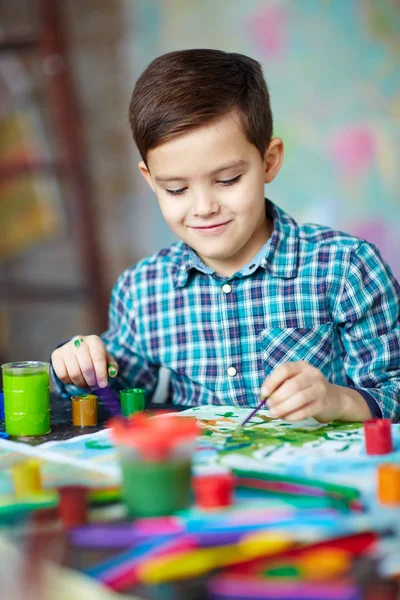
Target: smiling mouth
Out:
[209,227]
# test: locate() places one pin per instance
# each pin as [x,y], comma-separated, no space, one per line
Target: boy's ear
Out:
[146,174]
[273,158]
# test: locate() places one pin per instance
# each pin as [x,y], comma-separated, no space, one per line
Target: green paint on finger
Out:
[78,342]
[112,371]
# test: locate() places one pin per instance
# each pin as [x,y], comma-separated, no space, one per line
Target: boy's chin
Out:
[213,249]
[219,256]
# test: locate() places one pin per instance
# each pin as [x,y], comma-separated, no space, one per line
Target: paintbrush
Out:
[109,398]
[253,412]
[247,419]
[106,394]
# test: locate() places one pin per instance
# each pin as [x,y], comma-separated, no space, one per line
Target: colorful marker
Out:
[389,484]
[73,505]
[26,478]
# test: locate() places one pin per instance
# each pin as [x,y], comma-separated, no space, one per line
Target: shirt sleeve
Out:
[121,341]
[368,318]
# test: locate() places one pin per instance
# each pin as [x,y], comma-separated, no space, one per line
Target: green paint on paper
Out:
[226,415]
[268,435]
[96,445]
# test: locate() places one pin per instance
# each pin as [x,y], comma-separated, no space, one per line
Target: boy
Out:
[247,300]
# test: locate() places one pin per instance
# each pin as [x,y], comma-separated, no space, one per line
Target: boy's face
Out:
[210,186]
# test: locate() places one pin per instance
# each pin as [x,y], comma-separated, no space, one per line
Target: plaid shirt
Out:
[316,295]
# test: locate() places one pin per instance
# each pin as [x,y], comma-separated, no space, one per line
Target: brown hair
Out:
[182,90]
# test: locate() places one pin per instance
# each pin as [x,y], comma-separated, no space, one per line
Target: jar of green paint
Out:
[26,386]
[155,456]
[132,401]
[155,488]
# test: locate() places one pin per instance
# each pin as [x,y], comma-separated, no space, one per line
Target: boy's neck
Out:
[229,267]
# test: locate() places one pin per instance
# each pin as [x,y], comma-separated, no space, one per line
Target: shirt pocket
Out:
[311,344]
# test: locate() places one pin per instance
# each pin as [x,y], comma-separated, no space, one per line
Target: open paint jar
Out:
[84,410]
[155,455]
[26,387]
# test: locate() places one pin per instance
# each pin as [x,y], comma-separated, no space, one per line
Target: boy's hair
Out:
[183,90]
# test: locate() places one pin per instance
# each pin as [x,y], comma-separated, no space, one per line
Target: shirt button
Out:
[226,288]
[231,371]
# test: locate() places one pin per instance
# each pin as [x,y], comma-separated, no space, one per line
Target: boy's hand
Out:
[84,362]
[297,390]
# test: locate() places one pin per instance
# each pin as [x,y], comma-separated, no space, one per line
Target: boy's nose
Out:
[204,204]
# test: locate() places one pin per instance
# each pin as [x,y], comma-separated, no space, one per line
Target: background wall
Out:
[333,69]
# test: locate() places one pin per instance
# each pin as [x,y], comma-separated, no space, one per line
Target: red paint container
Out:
[73,505]
[378,436]
[214,491]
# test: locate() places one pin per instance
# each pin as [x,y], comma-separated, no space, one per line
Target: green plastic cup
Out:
[132,401]
[154,489]
[26,388]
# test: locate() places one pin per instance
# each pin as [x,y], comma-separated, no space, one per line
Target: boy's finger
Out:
[60,369]
[292,404]
[306,412]
[99,358]
[280,375]
[84,358]
[112,366]
[289,388]
[74,371]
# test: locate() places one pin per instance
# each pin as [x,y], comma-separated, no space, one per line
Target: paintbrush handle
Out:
[109,399]
[251,415]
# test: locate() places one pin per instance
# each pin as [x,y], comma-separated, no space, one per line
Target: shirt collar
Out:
[278,256]
[249,269]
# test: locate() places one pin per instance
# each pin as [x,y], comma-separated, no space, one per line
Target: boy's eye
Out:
[230,181]
[224,182]
[176,192]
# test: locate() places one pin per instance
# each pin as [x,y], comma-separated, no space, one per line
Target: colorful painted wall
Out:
[333,69]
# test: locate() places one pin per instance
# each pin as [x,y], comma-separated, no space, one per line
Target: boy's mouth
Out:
[209,229]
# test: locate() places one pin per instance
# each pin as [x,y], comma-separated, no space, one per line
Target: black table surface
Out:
[61,420]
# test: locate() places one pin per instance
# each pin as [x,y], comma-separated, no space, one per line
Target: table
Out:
[62,429]
[61,420]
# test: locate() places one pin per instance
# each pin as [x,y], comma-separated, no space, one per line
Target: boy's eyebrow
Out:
[231,165]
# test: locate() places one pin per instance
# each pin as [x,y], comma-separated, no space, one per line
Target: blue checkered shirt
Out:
[312,294]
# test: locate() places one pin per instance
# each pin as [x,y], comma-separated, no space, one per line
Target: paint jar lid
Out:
[155,438]
[136,392]
[84,398]
[25,367]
